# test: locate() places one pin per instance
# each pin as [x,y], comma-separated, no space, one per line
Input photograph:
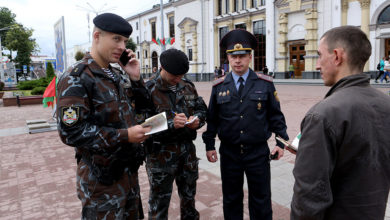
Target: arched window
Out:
[384,17]
[154,60]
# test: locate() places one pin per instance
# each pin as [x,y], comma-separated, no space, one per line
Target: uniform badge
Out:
[227,92]
[224,94]
[220,93]
[70,115]
[238,46]
[258,106]
[276,96]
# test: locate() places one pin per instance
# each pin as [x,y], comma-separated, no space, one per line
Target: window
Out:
[136,25]
[172,26]
[262,2]
[259,53]
[384,17]
[153,24]
[222,52]
[146,54]
[219,7]
[227,6]
[254,3]
[137,40]
[190,54]
[241,26]
[236,5]
[243,4]
[138,55]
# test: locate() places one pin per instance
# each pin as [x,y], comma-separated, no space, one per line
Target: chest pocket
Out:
[223,99]
[259,100]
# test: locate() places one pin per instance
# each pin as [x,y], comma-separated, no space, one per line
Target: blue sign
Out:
[24,68]
[31,68]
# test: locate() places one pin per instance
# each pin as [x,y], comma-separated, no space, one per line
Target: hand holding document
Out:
[192,121]
[157,122]
[294,145]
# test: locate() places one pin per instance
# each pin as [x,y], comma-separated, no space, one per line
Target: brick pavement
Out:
[37,171]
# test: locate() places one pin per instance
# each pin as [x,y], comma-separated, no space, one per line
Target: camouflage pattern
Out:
[172,156]
[94,111]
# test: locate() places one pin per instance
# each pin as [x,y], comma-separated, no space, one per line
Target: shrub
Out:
[38,91]
[29,85]
[1,86]
[50,71]
[79,55]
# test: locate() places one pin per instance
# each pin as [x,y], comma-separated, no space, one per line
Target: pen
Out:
[173,112]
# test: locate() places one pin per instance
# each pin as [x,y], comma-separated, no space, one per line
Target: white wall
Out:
[296,29]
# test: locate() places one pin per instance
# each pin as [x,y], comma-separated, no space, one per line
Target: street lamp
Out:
[90,8]
[162,25]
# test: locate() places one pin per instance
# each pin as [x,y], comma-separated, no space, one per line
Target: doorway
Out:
[297,57]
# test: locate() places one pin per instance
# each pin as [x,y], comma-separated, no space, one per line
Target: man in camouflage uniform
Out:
[172,156]
[96,116]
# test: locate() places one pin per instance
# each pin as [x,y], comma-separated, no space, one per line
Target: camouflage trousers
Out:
[165,165]
[119,201]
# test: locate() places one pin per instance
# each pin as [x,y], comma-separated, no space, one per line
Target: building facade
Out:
[288,31]
[187,27]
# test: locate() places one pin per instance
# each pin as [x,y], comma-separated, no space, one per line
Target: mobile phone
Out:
[274,156]
[124,58]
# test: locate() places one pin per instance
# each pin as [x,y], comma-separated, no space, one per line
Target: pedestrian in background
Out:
[291,70]
[381,69]
[342,166]
[172,155]
[96,109]
[386,69]
[244,110]
[265,70]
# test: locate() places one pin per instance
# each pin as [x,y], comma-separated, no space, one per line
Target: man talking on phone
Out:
[96,116]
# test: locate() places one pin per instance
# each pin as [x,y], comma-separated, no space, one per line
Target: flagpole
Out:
[162,25]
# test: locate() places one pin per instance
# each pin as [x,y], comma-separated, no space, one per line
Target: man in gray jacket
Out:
[342,167]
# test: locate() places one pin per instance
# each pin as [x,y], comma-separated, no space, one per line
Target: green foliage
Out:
[38,91]
[79,55]
[19,39]
[50,71]
[1,86]
[7,18]
[28,85]
[131,45]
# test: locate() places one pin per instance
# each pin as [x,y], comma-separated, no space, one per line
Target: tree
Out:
[79,55]
[50,71]
[7,18]
[19,39]
[131,45]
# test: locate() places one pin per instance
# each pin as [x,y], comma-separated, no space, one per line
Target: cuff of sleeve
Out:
[210,145]
[123,136]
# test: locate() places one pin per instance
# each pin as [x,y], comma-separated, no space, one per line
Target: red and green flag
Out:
[154,40]
[50,94]
[158,41]
[163,41]
[171,40]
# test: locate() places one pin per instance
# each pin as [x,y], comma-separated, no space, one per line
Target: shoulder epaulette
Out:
[78,69]
[265,77]
[188,81]
[218,81]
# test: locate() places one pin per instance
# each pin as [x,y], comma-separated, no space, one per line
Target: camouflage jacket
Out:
[94,109]
[185,100]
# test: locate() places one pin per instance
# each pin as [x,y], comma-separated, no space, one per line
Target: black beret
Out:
[238,41]
[174,61]
[113,23]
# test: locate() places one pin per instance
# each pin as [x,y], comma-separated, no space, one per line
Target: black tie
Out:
[241,87]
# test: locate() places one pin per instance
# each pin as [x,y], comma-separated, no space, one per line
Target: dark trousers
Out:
[379,75]
[254,162]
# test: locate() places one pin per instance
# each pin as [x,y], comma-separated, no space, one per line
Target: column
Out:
[216,47]
[311,37]
[344,12]
[195,50]
[183,39]
[281,63]
[231,6]
[365,5]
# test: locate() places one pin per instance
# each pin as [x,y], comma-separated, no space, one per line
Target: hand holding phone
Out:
[124,59]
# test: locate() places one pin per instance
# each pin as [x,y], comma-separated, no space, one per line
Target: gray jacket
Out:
[342,169]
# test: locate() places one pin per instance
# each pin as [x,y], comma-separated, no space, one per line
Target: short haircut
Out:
[353,40]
